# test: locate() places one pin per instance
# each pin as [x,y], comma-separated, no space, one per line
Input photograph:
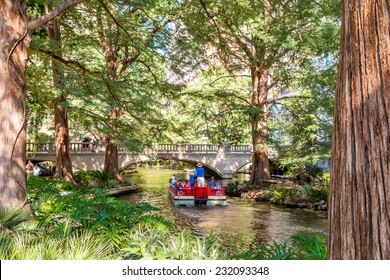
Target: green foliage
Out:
[217,111]
[297,247]
[83,245]
[152,244]
[11,220]
[94,211]
[60,210]
[278,194]
[39,189]
[326,179]
[302,59]
[94,179]
[273,251]
[309,247]
[314,192]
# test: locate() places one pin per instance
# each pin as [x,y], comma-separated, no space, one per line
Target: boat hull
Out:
[191,196]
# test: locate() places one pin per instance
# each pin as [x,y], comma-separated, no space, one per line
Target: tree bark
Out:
[63,157]
[62,140]
[14,42]
[260,163]
[359,194]
[111,158]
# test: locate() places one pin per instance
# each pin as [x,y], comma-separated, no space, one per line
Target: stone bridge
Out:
[222,161]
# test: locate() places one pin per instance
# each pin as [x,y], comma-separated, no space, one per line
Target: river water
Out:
[238,224]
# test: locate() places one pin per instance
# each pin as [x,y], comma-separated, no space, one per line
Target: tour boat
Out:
[187,193]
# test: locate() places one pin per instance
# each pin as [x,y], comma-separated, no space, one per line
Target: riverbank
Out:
[122,190]
[284,194]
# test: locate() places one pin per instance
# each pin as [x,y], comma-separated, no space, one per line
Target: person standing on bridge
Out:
[199,175]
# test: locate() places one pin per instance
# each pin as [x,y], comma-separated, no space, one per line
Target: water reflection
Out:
[237,225]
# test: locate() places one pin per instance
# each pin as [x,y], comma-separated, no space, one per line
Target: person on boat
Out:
[186,185]
[173,181]
[212,184]
[199,175]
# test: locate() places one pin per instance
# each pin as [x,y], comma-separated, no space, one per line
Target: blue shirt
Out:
[199,172]
[173,182]
[212,184]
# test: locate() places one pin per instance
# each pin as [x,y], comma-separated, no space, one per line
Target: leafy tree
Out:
[212,109]
[16,37]
[113,78]
[301,120]
[128,86]
[263,39]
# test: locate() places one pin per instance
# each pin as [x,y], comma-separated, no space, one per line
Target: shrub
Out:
[149,243]
[274,251]
[92,179]
[278,195]
[12,220]
[314,193]
[309,247]
[82,245]
[298,246]
[59,210]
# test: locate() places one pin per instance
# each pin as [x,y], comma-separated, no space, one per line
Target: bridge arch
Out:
[209,169]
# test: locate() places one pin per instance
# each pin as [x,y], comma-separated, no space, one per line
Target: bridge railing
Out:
[41,148]
[46,148]
[99,148]
[87,147]
[201,148]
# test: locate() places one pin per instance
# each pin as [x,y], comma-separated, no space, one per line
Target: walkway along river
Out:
[238,224]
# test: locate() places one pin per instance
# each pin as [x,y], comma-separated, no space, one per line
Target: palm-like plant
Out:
[12,220]
[77,246]
[150,243]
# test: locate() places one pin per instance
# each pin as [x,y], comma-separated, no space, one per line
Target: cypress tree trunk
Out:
[359,194]
[260,163]
[63,158]
[111,158]
[14,42]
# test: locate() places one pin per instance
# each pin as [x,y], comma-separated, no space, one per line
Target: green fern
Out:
[12,220]
[274,251]
[310,247]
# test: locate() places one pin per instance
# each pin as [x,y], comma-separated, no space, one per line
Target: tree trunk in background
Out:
[359,194]
[63,157]
[111,52]
[111,158]
[260,163]
[14,43]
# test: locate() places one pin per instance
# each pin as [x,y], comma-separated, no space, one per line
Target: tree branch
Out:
[54,13]
[226,76]
[69,63]
[275,100]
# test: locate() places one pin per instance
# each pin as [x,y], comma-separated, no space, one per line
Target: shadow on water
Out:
[237,225]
